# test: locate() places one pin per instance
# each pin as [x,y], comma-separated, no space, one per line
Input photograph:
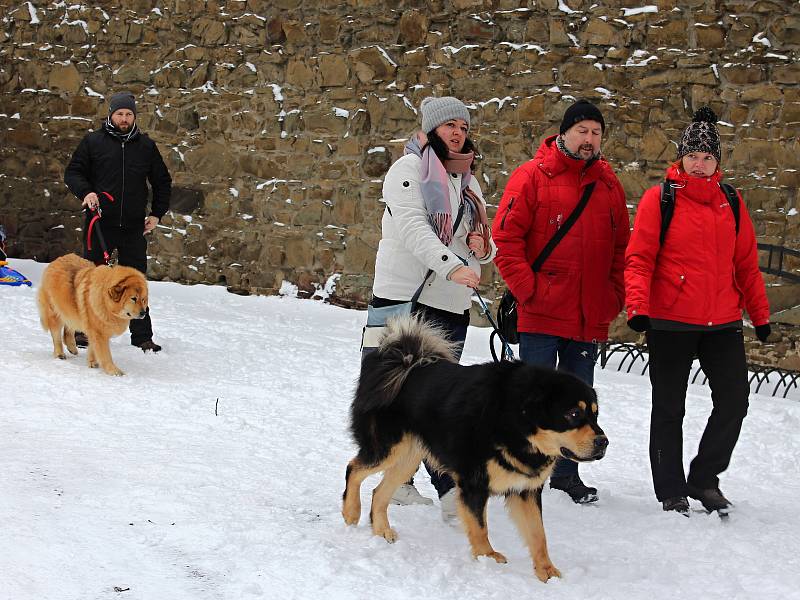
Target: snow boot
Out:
[81,341]
[679,504]
[407,494]
[711,499]
[449,512]
[148,345]
[577,490]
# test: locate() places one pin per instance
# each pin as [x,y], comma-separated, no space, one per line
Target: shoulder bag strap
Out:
[562,231]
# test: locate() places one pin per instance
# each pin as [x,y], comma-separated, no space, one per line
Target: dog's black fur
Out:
[497,428]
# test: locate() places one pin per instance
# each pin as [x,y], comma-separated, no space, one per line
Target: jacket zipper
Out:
[613,224]
[508,210]
[122,201]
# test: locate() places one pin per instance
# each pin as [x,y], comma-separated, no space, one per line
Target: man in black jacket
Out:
[110,170]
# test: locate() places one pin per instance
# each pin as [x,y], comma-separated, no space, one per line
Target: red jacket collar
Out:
[699,189]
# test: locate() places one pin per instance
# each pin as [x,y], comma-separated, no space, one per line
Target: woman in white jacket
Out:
[425,191]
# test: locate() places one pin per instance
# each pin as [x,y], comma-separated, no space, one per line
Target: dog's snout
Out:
[142,314]
[600,442]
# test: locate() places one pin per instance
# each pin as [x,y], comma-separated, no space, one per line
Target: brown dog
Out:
[75,295]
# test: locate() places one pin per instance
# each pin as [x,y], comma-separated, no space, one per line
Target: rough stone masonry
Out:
[278,118]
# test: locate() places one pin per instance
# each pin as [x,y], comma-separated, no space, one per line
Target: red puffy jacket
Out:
[704,274]
[580,287]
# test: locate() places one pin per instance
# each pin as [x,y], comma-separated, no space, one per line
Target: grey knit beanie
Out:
[122,100]
[436,111]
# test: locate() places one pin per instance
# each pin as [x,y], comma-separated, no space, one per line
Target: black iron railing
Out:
[625,356]
[775,261]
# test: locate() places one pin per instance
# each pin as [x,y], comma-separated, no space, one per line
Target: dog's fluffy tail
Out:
[409,342]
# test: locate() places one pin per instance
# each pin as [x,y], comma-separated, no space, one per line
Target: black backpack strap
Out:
[562,231]
[733,201]
[667,206]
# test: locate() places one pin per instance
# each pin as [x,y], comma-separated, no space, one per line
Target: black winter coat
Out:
[102,163]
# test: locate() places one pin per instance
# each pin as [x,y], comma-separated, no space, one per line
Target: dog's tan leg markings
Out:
[525,511]
[407,457]
[477,534]
[357,472]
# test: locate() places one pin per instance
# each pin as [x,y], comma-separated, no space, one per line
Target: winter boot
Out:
[572,485]
[149,345]
[679,504]
[407,494]
[712,499]
[449,513]
[81,341]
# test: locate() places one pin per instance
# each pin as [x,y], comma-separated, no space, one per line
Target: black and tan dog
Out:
[497,428]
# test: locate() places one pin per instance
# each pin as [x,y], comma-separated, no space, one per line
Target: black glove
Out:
[639,323]
[762,332]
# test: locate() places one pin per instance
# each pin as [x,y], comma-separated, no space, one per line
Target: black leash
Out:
[507,352]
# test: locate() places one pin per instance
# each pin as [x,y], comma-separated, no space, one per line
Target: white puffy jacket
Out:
[409,246]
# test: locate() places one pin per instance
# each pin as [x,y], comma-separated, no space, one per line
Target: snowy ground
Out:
[136,483]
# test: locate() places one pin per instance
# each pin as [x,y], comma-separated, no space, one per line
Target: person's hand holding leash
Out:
[475,244]
[91,201]
[150,224]
[465,276]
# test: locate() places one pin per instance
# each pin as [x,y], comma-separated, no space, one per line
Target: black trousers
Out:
[131,247]
[722,358]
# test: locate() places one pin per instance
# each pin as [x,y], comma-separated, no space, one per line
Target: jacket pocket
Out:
[666,288]
[557,291]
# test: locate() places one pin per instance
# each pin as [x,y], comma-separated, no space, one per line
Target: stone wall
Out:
[277,119]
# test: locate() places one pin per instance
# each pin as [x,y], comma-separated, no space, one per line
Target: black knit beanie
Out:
[701,135]
[582,110]
[122,100]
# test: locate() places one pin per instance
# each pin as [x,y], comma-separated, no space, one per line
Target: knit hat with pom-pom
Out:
[701,135]
[436,111]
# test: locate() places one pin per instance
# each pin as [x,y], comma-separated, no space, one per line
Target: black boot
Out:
[81,341]
[679,504]
[572,485]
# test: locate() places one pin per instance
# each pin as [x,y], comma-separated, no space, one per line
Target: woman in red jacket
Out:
[687,292]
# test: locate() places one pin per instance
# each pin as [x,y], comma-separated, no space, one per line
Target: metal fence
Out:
[775,261]
[633,357]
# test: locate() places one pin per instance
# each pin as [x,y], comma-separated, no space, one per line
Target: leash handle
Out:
[95,216]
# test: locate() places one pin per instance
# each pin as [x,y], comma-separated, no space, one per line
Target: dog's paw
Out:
[114,370]
[546,571]
[93,364]
[387,533]
[72,349]
[61,356]
[497,556]
[351,517]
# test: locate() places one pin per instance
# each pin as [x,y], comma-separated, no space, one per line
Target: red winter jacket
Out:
[579,289]
[705,273]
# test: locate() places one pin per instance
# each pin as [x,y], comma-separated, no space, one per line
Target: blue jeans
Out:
[455,326]
[574,357]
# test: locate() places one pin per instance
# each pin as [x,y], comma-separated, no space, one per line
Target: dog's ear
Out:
[116,292]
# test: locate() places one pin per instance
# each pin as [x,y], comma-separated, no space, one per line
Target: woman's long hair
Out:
[441,150]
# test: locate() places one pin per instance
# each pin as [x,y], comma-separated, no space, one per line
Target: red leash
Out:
[96,214]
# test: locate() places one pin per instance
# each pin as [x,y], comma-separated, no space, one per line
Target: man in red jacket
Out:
[565,308]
